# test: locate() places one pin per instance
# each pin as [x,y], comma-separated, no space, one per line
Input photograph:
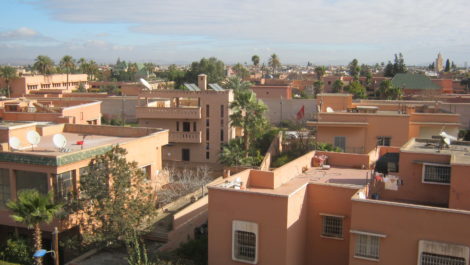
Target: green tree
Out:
[356,89]
[8,73]
[338,86]
[150,68]
[67,64]
[82,65]
[236,83]
[32,208]
[255,59]
[389,70]
[174,74]
[44,65]
[274,62]
[388,91]
[115,198]
[320,72]
[318,87]
[241,71]
[447,67]
[248,114]
[354,69]
[212,67]
[399,65]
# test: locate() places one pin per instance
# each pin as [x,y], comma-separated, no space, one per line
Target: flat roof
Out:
[458,150]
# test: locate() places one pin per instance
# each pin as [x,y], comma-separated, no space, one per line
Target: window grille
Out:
[245,245]
[384,140]
[367,246]
[436,259]
[332,226]
[436,174]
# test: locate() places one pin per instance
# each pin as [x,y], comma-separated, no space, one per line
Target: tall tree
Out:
[318,87]
[8,73]
[32,208]
[320,72]
[338,86]
[447,67]
[248,114]
[82,65]
[44,64]
[115,198]
[389,70]
[354,69]
[388,91]
[212,67]
[150,68]
[132,69]
[255,59]
[67,64]
[399,66]
[274,62]
[236,83]
[241,71]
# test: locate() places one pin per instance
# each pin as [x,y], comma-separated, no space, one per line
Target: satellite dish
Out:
[329,109]
[33,137]
[447,140]
[14,142]
[146,84]
[448,136]
[59,140]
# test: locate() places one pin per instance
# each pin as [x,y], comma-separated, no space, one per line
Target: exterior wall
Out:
[404,225]
[338,102]
[217,123]
[287,109]
[276,92]
[459,188]
[334,200]
[355,137]
[26,84]
[297,221]
[227,206]
[413,189]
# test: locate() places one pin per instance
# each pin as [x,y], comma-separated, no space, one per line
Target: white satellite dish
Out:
[33,137]
[146,84]
[59,140]
[329,109]
[448,136]
[447,140]
[14,142]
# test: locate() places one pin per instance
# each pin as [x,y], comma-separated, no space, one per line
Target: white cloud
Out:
[23,34]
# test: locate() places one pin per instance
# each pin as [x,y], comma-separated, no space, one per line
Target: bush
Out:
[195,250]
[17,250]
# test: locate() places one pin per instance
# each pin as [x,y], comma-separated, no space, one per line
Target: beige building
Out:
[56,83]
[198,121]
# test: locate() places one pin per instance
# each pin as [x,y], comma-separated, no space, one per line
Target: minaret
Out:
[439,67]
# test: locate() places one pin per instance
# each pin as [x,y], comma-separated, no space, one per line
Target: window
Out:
[222,123]
[207,134]
[436,259]
[194,126]
[64,186]
[438,174]
[367,246]
[207,123]
[222,135]
[384,140]
[177,126]
[207,155]
[207,110]
[4,186]
[186,126]
[332,226]
[31,180]
[207,146]
[340,141]
[245,242]
[147,172]
[185,156]
[221,111]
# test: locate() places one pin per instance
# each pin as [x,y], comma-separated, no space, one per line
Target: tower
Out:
[439,67]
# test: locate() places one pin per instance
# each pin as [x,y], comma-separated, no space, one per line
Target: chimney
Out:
[202,81]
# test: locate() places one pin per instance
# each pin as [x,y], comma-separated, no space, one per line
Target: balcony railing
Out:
[185,137]
[168,113]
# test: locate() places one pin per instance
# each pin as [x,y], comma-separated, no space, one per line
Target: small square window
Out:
[332,226]
[367,246]
[245,242]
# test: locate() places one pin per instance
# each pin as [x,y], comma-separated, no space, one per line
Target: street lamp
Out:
[42,252]
[55,253]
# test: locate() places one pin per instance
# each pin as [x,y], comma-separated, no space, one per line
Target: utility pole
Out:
[55,236]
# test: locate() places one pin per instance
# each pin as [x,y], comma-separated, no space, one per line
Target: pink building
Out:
[56,83]
[273,91]
[417,212]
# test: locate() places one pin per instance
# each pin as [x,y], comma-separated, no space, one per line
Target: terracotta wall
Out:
[459,188]
[346,160]
[272,91]
[338,102]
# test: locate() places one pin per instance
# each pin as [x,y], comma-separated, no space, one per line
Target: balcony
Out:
[186,137]
[168,113]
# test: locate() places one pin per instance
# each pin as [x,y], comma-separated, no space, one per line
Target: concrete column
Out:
[12,184]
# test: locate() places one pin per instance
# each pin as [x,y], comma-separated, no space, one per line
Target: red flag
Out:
[301,113]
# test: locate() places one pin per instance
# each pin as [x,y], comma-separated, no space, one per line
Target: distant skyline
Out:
[181,31]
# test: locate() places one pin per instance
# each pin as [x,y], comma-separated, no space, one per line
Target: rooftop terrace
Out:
[458,150]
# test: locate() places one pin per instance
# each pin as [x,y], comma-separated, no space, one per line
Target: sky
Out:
[327,32]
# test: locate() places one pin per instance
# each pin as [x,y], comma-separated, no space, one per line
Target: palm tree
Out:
[43,64]
[255,60]
[247,113]
[82,65]
[91,69]
[318,87]
[8,73]
[338,86]
[132,70]
[33,208]
[67,63]
[320,71]
[236,83]
[274,62]
[150,68]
